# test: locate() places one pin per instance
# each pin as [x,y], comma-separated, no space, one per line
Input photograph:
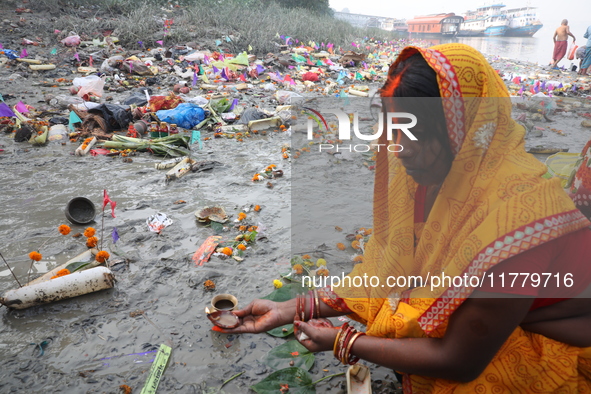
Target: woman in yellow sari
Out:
[464,200]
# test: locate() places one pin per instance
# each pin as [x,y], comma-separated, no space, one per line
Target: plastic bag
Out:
[135,65]
[138,97]
[571,53]
[71,41]
[111,64]
[91,84]
[250,115]
[285,96]
[186,115]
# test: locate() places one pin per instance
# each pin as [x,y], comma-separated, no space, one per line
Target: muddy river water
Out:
[97,342]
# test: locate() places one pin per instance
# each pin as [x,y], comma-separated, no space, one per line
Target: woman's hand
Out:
[261,316]
[319,334]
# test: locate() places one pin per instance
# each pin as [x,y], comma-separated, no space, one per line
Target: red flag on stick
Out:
[107,200]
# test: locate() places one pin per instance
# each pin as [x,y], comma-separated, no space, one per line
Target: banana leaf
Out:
[167,146]
[40,139]
[222,105]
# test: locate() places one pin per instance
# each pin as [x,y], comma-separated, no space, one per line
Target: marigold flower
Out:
[277,283]
[270,167]
[257,208]
[92,242]
[257,177]
[87,141]
[285,155]
[84,146]
[322,272]
[341,246]
[358,258]
[64,229]
[35,256]
[355,244]
[241,216]
[368,231]
[252,228]
[102,256]
[227,251]
[241,247]
[62,272]
[209,285]
[242,228]
[89,232]
[358,236]
[298,269]
[320,262]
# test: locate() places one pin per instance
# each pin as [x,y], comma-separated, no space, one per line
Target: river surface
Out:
[536,49]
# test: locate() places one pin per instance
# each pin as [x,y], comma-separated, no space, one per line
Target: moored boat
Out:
[523,22]
[485,21]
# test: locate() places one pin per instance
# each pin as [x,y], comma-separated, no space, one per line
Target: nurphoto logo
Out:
[344,131]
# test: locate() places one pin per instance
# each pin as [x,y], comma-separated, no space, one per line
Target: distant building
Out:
[363,21]
[438,24]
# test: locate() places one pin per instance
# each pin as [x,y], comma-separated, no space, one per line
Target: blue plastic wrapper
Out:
[10,53]
[185,115]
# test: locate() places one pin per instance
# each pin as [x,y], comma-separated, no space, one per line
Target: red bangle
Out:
[352,360]
[311,295]
[343,350]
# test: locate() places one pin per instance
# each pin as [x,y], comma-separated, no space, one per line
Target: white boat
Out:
[485,21]
[523,22]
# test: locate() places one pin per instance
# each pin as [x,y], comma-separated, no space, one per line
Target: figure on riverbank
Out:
[463,200]
[561,42]
[586,63]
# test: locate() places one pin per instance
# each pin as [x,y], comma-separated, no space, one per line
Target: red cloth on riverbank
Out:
[559,50]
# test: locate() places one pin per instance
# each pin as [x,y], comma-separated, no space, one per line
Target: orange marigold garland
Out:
[64,229]
[60,273]
[102,256]
[92,242]
[35,256]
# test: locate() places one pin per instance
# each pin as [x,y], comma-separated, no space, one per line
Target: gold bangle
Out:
[336,347]
[336,340]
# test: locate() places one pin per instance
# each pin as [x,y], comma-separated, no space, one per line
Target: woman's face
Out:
[426,160]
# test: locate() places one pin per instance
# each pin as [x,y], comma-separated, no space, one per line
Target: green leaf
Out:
[221,106]
[298,380]
[282,294]
[279,333]
[77,266]
[217,227]
[287,276]
[297,260]
[282,355]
